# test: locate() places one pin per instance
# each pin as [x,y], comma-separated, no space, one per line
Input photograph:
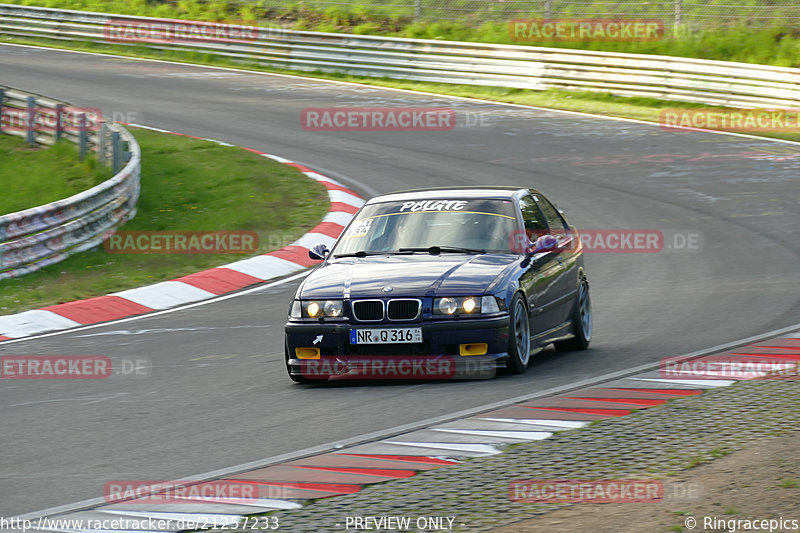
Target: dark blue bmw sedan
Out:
[441,283]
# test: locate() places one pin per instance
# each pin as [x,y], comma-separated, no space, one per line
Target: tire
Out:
[295,378]
[581,322]
[519,336]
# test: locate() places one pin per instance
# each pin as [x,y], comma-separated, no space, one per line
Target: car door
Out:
[565,287]
[543,272]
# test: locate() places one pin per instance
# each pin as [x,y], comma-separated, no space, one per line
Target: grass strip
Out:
[50,174]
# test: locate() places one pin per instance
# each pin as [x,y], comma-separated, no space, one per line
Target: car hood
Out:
[408,275]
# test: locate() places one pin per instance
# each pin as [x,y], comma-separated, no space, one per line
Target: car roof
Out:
[489,192]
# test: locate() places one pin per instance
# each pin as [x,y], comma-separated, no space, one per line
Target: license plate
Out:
[386,336]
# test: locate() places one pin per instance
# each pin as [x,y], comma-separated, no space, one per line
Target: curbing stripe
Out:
[521,435]
[483,449]
[673,392]
[346,198]
[217,519]
[406,458]
[33,322]
[779,355]
[264,267]
[343,207]
[585,411]
[219,280]
[337,460]
[634,402]
[294,254]
[701,383]
[310,239]
[331,229]
[552,425]
[380,472]
[98,309]
[338,217]
[307,490]
[165,294]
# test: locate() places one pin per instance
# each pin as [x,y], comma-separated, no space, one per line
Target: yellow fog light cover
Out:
[307,353]
[475,348]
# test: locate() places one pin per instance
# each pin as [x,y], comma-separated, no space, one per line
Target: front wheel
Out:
[581,322]
[519,333]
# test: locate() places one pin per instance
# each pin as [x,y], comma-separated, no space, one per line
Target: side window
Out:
[535,225]
[554,220]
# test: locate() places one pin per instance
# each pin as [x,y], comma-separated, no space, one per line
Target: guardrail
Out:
[44,235]
[741,85]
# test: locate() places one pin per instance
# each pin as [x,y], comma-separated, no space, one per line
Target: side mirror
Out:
[318,252]
[545,243]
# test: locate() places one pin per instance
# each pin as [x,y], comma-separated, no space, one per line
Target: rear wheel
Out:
[581,322]
[519,333]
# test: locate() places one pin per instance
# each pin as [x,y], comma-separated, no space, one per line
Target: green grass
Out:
[187,184]
[744,41]
[50,173]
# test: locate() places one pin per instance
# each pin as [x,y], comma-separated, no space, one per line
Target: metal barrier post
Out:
[101,143]
[83,137]
[116,151]
[2,99]
[30,126]
[59,122]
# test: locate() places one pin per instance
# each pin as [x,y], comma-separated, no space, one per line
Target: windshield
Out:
[469,225]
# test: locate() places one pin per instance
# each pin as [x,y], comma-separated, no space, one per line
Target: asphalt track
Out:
[218,394]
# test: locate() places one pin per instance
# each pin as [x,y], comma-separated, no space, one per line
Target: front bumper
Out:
[437,357]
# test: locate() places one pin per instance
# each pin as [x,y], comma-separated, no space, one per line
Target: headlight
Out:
[317,309]
[445,306]
[468,305]
[333,308]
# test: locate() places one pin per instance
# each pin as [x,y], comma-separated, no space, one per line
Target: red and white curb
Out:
[198,286]
[291,484]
